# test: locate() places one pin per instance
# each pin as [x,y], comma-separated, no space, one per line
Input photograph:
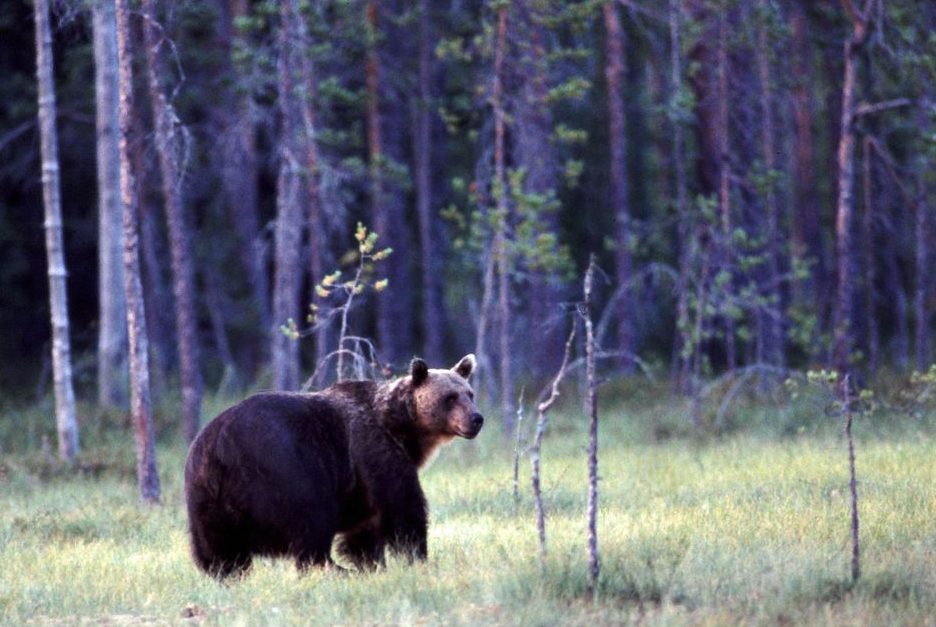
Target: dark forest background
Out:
[755,177]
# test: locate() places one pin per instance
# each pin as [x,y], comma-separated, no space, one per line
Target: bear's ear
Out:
[419,371]
[466,366]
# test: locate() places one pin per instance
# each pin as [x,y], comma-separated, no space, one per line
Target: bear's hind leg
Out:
[221,555]
[363,548]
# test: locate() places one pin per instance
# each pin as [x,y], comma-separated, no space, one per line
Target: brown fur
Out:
[284,474]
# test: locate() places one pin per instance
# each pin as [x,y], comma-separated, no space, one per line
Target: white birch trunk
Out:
[112,333]
[66,422]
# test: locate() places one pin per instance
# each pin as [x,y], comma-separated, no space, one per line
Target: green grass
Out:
[749,527]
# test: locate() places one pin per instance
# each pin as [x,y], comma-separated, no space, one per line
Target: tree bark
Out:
[65,418]
[724,179]
[499,246]
[594,563]
[619,194]
[770,314]
[806,238]
[140,402]
[167,129]
[842,339]
[432,310]
[285,350]
[112,331]
[681,360]
[868,246]
[535,154]
[312,160]
[239,177]
[394,314]
[921,334]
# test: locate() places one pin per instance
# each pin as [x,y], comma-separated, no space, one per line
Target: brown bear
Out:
[283,474]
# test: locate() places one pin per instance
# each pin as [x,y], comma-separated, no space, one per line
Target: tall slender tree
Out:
[771,329]
[499,251]
[432,313]
[724,173]
[806,241]
[384,136]
[312,163]
[288,232]
[614,69]
[842,340]
[65,418]
[238,160]
[140,402]
[112,330]
[169,145]
[683,344]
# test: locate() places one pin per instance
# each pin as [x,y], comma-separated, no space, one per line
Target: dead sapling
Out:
[548,398]
[847,404]
[518,442]
[591,406]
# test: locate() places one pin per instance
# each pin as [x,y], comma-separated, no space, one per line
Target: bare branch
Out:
[13,134]
[867,108]
[642,10]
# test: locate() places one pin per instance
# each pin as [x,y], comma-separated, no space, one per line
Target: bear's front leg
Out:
[406,529]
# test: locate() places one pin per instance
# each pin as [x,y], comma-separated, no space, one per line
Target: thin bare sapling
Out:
[357,350]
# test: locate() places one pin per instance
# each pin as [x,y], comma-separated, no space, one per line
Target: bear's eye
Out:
[471,396]
[451,399]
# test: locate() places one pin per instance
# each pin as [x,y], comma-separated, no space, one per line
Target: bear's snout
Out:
[476,421]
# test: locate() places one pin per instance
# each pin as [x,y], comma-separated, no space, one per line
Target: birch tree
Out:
[140,403]
[66,421]
[288,231]
[112,331]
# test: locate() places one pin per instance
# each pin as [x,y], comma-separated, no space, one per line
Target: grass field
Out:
[748,527]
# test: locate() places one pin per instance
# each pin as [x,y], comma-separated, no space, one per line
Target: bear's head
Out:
[443,401]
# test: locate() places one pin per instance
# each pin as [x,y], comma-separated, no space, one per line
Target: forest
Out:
[203,199]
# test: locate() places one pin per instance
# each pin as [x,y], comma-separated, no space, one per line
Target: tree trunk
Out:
[394,329]
[770,314]
[112,331]
[898,296]
[842,339]
[167,131]
[619,195]
[140,403]
[534,153]
[239,167]
[65,418]
[499,246]
[806,238]
[309,143]
[681,354]
[868,246]
[156,293]
[215,301]
[724,180]
[594,563]
[921,228]
[285,350]
[432,318]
